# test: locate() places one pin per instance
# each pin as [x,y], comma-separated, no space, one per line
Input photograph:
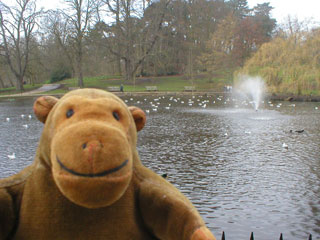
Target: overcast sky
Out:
[302,9]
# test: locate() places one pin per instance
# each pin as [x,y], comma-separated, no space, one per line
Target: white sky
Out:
[302,9]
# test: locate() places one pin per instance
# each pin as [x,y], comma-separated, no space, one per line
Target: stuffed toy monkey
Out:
[87,181]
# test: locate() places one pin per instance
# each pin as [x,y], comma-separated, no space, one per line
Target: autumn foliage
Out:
[289,63]
[237,37]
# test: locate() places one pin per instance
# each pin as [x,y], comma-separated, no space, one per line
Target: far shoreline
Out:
[293,98]
[268,97]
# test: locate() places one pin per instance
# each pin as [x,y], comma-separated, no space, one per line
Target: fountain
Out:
[251,89]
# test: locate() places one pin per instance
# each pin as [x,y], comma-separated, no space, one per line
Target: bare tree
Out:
[1,82]
[79,15]
[17,24]
[1,66]
[134,32]
[61,29]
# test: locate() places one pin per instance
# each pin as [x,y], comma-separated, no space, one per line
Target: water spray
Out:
[252,89]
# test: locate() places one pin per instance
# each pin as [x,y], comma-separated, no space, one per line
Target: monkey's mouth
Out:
[92,175]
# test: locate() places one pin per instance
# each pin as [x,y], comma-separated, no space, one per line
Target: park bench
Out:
[113,89]
[189,88]
[151,88]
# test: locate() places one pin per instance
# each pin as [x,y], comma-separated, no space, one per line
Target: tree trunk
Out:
[11,83]
[19,82]
[73,70]
[33,79]
[1,83]
[80,77]
[191,65]
[118,34]
[79,65]
[130,73]
[118,70]
[81,84]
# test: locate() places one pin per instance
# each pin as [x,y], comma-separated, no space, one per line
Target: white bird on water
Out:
[22,115]
[13,156]
[8,119]
[25,126]
[284,145]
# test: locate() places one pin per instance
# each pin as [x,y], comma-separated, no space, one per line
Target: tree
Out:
[186,28]
[239,8]
[289,63]
[79,14]
[60,39]
[171,53]
[238,36]
[220,46]
[17,24]
[100,62]
[114,8]
[134,32]
[1,80]
[266,23]
[252,31]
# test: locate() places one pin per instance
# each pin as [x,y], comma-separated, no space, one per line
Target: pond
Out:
[245,171]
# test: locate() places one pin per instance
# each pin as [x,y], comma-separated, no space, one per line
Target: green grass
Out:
[215,83]
[164,83]
[311,92]
[12,90]
[89,81]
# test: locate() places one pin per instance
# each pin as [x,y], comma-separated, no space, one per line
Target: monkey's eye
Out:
[69,113]
[116,116]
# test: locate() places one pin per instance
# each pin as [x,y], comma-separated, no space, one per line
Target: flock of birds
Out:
[22,116]
[200,101]
[206,101]
[26,126]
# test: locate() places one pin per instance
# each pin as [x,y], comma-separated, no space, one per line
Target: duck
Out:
[164,175]
[12,156]
[299,131]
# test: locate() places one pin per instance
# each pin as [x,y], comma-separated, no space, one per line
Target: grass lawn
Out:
[12,90]
[164,84]
[202,83]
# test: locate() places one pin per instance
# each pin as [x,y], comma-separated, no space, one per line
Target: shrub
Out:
[59,74]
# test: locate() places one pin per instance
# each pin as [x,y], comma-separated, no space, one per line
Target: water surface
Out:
[228,159]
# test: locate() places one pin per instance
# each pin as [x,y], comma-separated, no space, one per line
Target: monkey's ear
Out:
[42,107]
[139,117]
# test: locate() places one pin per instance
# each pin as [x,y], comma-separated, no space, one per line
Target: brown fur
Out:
[87,181]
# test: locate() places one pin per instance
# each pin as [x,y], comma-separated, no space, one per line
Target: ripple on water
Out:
[228,161]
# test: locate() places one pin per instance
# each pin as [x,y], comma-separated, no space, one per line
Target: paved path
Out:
[44,88]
